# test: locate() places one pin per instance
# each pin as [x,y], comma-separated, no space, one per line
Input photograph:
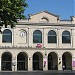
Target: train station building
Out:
[41,42]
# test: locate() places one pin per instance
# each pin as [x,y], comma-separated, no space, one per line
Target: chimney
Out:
[73,19]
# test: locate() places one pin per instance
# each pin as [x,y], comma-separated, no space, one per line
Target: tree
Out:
[10,11]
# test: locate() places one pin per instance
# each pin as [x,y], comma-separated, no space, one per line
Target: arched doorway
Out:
[6,61]
[37,61]
[67,61]
[52,61]
[22,61]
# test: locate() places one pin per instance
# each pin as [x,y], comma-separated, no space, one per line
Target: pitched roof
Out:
[45,12]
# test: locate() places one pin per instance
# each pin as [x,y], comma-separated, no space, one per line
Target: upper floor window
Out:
[37,36]
[52,37]
[7,36]
[66,38]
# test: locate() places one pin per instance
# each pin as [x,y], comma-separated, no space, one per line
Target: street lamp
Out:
[45,53]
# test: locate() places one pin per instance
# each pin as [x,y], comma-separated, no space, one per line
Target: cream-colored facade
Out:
[51,56]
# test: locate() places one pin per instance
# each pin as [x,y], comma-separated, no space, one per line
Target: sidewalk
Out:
[36,71]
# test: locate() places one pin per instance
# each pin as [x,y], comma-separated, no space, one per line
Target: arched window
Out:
[45,19]
[37,36]
[7,36]
[66,38]
[52,37]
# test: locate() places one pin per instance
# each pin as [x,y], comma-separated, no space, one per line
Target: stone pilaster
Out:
[59,63]
[14,64]
[30,63]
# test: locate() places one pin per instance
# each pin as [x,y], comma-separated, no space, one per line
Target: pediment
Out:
[44,16]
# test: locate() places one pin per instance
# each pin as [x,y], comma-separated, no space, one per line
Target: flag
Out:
[39,45]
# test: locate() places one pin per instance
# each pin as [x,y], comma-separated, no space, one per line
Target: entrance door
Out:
[6,62]
[52,61]
[37,61]
[22,61]
[67,61]
[21,65]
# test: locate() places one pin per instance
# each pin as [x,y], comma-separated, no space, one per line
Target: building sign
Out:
[45,61]
[39,46]
[73,63]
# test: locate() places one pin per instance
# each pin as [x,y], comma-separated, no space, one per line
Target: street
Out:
[39,73]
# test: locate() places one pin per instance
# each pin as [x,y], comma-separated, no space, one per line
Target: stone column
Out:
[59,63]
[59,38]
[14,64]
[30,36]
[45,37]
[73,38]
[30,62]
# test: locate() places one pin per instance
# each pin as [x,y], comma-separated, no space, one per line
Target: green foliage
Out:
[11,10]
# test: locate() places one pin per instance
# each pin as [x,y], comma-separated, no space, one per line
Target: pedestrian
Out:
[63,67]
[44,64]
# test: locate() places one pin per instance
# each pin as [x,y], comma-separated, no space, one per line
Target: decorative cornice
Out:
[46,24]
[31,48]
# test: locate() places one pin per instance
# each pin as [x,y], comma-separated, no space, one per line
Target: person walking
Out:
[63,67]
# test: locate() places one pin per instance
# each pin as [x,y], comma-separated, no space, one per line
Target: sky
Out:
[63,8]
